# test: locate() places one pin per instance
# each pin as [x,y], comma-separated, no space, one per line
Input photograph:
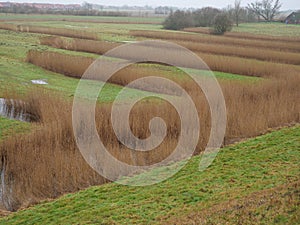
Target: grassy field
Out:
[274,29]
[108,32]
[119,32]
[4,16]
[268,162]
[11,127]
[100,28]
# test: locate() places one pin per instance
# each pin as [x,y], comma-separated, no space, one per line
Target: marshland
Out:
[46,179]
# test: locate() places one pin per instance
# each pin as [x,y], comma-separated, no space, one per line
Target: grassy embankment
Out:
[247,172]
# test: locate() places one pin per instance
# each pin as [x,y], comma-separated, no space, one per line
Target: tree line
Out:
[213,17]
[24,9]
[206,17]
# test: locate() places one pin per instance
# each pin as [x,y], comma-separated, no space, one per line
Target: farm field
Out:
[275,29]
[10,17]
[271,30]
[258,73]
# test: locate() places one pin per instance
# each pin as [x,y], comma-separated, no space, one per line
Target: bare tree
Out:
[237,11]
[265,8]
[87,7]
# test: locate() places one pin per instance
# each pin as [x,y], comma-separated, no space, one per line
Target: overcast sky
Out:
[287,4]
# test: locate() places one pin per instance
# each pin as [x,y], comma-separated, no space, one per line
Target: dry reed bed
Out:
[47,163]
[50,157]
[50,30]
[75,66]
[165,35]
[248,67]
[101,47]
[242,35]
[64,64]
[69,65]
[243,52]
[76,44]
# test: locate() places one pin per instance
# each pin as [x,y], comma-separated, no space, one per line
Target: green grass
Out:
[16,76]
[277,205]
[10,127]
[274,29]
[15,45]
[258,164]
[95,18]
[108,32]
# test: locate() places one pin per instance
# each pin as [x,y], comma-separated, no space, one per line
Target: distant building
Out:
[5,4]
[41,5]
[293,18]
[288,17]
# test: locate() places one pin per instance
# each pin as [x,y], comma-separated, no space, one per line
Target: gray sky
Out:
[287,4]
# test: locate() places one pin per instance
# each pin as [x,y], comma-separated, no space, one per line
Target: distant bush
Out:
[221,24]
[179,20]
[205,17]
[200,18]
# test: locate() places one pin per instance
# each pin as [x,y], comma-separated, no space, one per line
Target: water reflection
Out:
[15,109]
